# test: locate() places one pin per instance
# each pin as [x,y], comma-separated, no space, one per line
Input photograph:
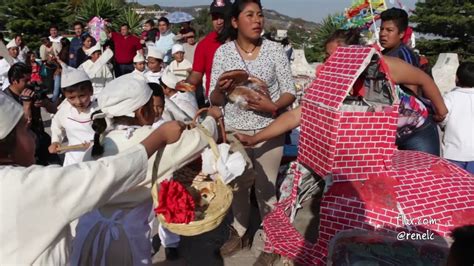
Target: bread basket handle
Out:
[220,123]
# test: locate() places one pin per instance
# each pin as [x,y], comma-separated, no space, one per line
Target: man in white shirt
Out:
[5,65]
[55,38]
[166,40]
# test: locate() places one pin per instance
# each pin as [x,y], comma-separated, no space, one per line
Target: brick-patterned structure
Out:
[373,183]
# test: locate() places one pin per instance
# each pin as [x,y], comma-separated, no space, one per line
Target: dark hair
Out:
[463,245]
[7,144]
[18,71]
[398,16]
[465,75]
[22,41]
[230,32]
[85,36]
[348,37]
[99,125]
[53,26]
[165,20]
[157,89]
[81,86]
[150,22]
[125,25]
[64,53]
[163,85]
[27,59]
[78,23]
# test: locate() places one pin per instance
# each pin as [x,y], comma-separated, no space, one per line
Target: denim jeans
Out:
[122,69]
[425,139]
[56,88]
[468,166]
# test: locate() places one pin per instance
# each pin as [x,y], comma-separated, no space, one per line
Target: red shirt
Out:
[125,48]
[204,56]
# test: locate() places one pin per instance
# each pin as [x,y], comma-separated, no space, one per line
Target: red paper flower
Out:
[175,203]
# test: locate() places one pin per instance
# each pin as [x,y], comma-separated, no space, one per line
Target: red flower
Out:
[175,203]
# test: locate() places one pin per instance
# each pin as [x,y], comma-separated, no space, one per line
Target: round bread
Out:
[185,87]
[238,75]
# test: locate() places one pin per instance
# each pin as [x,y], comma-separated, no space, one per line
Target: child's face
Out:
[146,27]
[390,35]
[178,56]
[32,57]
[140,66]
[87,43]
[158,106]
[96,56]
[154,64]
[79,99]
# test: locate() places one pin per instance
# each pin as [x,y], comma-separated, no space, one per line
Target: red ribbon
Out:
[175,203]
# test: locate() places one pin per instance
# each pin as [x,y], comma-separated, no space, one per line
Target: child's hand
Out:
[53,148]
[172,131]
[215,112]
[246,140]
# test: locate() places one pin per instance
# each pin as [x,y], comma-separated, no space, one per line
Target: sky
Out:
[312,10]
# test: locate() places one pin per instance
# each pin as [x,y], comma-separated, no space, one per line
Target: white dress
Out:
[38,203]
[118,233]
[180,70]
[98,71]
[77,127]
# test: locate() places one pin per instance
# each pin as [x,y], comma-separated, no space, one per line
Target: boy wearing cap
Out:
[179,105]
[127,215]
[180,66]
[73,119]
[139,63]
[155,65]
[38,202]
[96,67]
[5,65]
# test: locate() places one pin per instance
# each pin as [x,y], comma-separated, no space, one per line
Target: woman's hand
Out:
[246,140]
[225,85]
[262,104]
[215,112]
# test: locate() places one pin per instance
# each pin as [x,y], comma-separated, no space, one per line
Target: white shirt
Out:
[459,125]
[181,106]
[4,67]
[77,127]
[165,43]
[99,77]
[180,70]
[153,77]
[38,203]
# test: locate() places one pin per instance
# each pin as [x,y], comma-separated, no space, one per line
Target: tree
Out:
[88,9]
[452,23]
[316,52]
[132,18]
[32,18]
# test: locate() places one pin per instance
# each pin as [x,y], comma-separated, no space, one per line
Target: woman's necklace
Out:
[249,53]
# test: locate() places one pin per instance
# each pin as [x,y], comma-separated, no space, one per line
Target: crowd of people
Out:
[120,107]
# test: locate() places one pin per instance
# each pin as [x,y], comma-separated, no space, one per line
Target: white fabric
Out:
[22,54]
[189,52]
[459,125]
[158,123]
[168,238]
[155,53]
[138,58]
[77,127]
[228,166]
[164,44]
[11,44]
[4,67]
[124,95]
[38,203]
[160,166]
[55,40]
[93,49]
[186,102]
[177,48]
[71,76]
[98,76]
[169,79]
[153,77]
[10,114]
[180,70]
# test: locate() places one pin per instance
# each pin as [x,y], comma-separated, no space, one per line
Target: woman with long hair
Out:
[265,60]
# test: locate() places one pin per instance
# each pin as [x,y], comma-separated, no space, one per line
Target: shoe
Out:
[234,244]
[266,259]
[171,254]
[155,244]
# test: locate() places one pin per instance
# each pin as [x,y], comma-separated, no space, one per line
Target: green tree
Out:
[452,24]
[32,18]
[132,18]
[88,9]
[315,51]
[202,23]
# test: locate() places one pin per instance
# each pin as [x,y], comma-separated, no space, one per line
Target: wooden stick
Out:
[78,147]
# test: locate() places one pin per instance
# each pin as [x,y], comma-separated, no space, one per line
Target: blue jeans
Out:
[122,69]
[468,166]
[56,88]
[425,139]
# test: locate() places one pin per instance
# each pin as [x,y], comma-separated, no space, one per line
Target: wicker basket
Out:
[217,208]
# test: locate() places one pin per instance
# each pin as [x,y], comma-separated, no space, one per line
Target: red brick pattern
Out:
[373,183]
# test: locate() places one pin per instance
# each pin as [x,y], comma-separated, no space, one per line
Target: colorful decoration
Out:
[97,29]
[175,203]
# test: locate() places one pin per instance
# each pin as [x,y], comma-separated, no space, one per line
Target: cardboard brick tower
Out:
[373,184]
